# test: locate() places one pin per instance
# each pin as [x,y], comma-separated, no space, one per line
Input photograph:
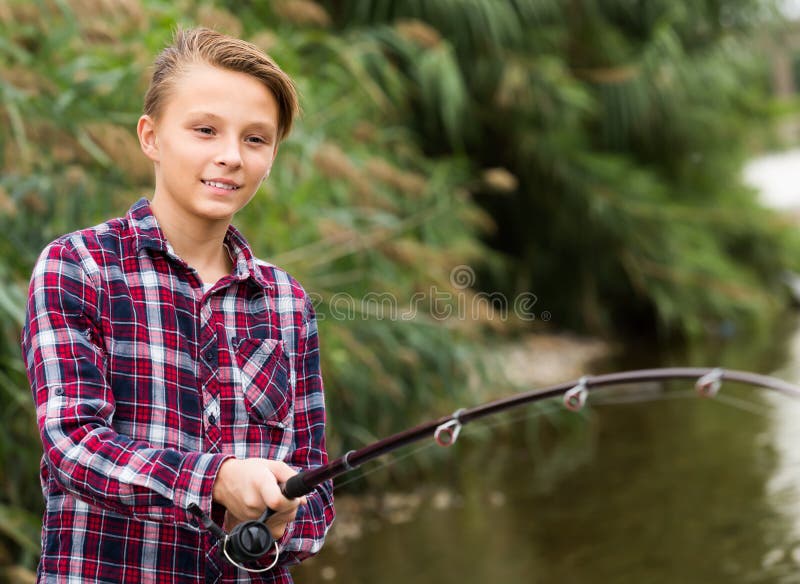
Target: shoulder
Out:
[280,280]
[92,248]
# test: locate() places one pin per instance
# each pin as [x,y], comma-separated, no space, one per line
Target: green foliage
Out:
[352,209]
[602,139]
[625,125]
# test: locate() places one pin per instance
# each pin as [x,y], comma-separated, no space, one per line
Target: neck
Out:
[196,241]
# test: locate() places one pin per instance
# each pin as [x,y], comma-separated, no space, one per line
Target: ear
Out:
[146,129]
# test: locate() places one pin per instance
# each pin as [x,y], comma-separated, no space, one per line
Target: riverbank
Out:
[545,359]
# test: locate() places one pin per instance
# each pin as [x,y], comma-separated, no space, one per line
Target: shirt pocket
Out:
[263,371]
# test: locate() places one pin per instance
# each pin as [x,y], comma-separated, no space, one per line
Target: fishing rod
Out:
[251,540]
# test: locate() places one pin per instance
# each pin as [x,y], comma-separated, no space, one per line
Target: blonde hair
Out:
[203,45]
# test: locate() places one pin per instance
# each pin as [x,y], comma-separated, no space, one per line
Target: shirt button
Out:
[58,391]
[210,356]
[212,419]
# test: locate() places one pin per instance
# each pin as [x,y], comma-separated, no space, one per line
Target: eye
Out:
[255,140]
[205,130]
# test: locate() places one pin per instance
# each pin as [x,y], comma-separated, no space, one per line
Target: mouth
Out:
[227,186]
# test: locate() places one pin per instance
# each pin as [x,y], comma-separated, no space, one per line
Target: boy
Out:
[167,364]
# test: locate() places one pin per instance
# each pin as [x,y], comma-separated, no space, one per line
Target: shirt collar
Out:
[148,235]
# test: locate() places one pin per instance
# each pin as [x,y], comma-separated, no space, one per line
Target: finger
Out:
[277,531]
[274,499]
[282,471]
[230,521]
[277,524]
[283,516]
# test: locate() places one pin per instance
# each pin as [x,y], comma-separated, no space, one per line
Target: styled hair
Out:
[203,45]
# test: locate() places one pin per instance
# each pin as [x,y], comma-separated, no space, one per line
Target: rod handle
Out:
[296,487]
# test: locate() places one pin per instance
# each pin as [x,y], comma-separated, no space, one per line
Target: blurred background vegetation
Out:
[586,154]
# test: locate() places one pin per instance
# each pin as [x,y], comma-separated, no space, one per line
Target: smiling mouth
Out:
[220,185]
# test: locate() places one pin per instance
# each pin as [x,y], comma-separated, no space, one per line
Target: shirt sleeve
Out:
[66,364]
[306,534]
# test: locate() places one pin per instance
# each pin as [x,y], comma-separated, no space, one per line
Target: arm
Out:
[66,365]
[306,534]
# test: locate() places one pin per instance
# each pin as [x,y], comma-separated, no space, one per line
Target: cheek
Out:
[186,152]
[260,163]
[170,162]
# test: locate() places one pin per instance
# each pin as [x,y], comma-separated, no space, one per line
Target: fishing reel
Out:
[247,542]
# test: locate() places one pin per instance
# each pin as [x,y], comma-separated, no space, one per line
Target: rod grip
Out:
[296,487]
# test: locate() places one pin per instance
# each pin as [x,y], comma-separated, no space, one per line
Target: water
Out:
[674,488]
[684,489]
[777,178]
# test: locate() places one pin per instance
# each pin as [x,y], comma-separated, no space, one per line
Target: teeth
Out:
[220,185]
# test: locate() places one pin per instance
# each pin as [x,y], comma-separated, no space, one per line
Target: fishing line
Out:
[641,397]
[251,540]
[744,405]
[646,397]
[545,409]
[445,430]
[394,460]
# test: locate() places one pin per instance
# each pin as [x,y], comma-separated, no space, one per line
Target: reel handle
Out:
[251,540]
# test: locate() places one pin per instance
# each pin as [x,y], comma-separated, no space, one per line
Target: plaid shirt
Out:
[144,384]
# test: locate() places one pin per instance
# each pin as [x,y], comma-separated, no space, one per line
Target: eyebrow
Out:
[256,125]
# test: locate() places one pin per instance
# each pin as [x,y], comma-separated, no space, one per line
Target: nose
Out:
[229,155]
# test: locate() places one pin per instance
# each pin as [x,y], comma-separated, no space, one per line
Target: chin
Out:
[217,210]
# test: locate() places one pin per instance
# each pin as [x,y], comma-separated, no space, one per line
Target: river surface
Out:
[667,488]
[777,177]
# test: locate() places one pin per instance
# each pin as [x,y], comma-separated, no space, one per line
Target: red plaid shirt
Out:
[144,384]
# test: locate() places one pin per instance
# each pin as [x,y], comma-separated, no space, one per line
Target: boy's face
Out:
[213,143]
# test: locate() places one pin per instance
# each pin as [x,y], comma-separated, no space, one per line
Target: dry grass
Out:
[419,33]
[302,13]
[408,183]
[105,21]
[219,20]
[122,146]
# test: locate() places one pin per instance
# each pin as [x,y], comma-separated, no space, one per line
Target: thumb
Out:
[282,473]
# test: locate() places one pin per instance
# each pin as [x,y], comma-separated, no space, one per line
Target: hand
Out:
[247,487]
